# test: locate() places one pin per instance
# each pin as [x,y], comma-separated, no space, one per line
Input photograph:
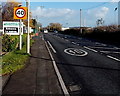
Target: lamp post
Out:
[28,30]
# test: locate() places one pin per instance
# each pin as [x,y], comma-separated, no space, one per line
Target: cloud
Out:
[102,12]
[98,13]
[114,1]
[60,15]
[52,12]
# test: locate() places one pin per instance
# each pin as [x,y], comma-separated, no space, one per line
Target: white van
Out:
[45,31]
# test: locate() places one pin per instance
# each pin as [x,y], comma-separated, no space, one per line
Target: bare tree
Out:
[100,22]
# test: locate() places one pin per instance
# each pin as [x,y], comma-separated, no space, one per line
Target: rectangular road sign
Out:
[20,13]
[12,28]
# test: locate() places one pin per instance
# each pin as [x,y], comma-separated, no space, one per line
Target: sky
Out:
[68,13]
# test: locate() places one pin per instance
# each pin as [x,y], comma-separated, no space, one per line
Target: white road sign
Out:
[11,28]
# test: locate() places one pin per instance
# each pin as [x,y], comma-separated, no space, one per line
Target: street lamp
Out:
[28,35]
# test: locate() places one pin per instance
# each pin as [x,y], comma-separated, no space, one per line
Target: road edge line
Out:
[51,47]
[65,91]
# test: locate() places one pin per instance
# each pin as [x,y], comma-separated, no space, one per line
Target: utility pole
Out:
[28,31]
[81,21]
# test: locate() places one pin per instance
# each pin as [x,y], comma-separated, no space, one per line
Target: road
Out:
[86,66]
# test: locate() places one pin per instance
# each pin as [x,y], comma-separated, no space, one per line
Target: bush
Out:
[9,43]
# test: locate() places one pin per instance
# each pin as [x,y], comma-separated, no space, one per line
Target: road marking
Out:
[65,91]
[103,44]
[110,52]
[90,49]
[51,47]
[113,58]
[104,47]
[66,40]
[75,52]
[116,48]
[73,43]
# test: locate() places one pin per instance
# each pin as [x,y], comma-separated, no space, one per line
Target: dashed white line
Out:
[113,58]
[90,49]
[110,52]
[51,47]
[104,47]
[66,40]
[73,43]
[65,91]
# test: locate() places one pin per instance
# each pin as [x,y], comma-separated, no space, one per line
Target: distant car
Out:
[56,31]
[45,31]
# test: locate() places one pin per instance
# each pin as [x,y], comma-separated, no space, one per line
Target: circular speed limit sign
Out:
[20,13]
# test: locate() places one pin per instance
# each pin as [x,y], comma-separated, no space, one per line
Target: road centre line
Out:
[73,43]
[110,52]
[65,91]
[90,49]
[51,47]
[66,40]
[103,47]
[113,58]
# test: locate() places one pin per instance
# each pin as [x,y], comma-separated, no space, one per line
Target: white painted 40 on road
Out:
[75,52]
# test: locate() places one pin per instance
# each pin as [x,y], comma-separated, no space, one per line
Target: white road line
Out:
[113,58]
[65,91]
[73,43]
[103,44]
[90,49]
[66,40]
[51,47]
[110,52]
[116,48]
[43,37]
[104,47]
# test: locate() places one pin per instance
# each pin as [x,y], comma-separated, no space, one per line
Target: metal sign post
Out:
[20,13]
[20,47]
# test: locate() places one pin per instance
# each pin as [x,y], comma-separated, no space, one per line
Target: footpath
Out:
[37,78]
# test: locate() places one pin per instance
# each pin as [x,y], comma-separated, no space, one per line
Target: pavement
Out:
[38,77]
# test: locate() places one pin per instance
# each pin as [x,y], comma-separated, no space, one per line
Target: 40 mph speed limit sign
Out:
[20,13]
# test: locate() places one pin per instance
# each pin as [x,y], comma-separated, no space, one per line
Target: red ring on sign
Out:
[24,11]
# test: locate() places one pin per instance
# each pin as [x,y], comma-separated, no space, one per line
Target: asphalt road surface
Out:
[86,66]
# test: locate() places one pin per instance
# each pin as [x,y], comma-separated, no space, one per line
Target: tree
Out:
[100,22]
[8,10]
[55,26]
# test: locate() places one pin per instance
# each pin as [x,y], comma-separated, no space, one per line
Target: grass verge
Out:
[15,60]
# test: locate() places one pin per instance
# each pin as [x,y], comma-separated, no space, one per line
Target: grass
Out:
[15,60]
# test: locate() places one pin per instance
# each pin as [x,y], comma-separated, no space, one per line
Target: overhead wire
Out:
[104,3]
